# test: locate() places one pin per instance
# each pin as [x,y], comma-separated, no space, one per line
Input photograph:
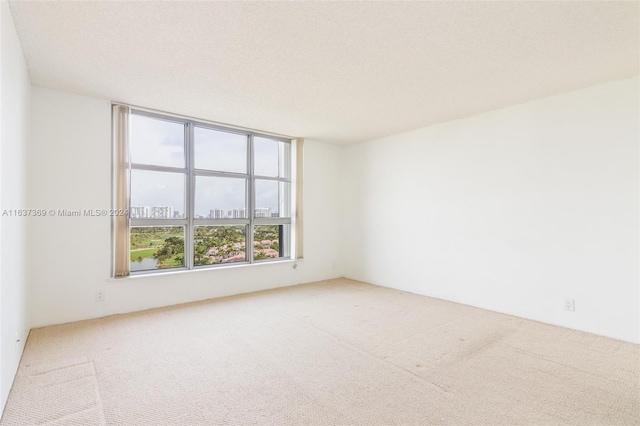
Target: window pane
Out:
[218,197]
[219,244]
[156,142]
[271,157]
[154,247]
[221,151]
[272,199]
[157,195]
[271,241]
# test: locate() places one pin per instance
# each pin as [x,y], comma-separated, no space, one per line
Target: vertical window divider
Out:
[251,201]
[191,179]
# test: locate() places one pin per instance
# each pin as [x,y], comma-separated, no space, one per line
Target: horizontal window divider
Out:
[159,222]
[272,221]
[213,173]
[220,222]
[153,168]
[277,179]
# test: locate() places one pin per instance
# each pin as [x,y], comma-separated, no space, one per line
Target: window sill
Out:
[181,271]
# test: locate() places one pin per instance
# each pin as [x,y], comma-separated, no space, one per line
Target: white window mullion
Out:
[189,237]
[251,200]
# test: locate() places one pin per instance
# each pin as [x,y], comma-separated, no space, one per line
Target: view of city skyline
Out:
[167,212]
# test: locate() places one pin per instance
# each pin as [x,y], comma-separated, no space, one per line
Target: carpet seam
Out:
[425,330]
[58,368]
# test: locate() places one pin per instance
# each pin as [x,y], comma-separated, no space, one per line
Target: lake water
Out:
[145,265]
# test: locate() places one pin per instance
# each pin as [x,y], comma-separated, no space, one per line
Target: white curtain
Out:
[121,187]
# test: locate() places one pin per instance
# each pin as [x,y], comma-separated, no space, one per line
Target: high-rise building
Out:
[237,213]
[216,214]
[161,212]
[139,212]
[263,212]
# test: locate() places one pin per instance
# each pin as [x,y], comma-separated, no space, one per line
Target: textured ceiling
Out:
[341,72]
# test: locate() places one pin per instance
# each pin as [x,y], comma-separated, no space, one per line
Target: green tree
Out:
[172,247]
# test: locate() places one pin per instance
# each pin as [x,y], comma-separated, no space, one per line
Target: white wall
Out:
[14,89]
[70,165]
[512,210]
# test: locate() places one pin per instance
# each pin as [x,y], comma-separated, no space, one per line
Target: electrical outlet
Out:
[569,305]
[99,295]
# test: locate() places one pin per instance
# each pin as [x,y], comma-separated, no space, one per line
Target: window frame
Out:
[189,221]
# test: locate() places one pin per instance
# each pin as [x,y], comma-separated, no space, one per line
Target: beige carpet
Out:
[335,352]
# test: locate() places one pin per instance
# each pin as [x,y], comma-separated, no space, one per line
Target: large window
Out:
[202,195]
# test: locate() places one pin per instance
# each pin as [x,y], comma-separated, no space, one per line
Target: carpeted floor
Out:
[336,352]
